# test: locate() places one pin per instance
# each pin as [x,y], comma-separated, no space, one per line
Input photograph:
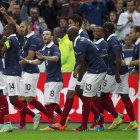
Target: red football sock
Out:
[96,107]
[85,110]
[23,115]
[4,111]
[39,106]
[58,110]
[50,114]
[108,105]
[66,110]
[24,108]
[129,108]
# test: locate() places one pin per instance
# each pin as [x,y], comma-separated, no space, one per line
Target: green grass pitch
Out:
[29,134]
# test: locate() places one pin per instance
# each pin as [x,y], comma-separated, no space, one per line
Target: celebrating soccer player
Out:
[116,80]
[12,73]
[50,54]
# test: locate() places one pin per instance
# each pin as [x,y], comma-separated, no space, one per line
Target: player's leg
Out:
[2,107]
[109,86]
[68,104]
[124,90]
[93,81]
[22,125]
[4,110]
[13,93]
[130,111]
[52,99]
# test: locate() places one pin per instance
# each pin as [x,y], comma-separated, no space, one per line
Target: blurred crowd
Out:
[53,14]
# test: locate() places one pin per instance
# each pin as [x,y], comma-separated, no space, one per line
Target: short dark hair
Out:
[97,26]
[51,31]
[63,17]
[131,1]
[108,26]
[17,4]
[76,18]
[27,23]
[35,8]
[136,29]
[12,27]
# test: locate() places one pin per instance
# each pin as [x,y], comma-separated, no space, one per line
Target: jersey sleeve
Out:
[80,49]
[103,49]
[116,46]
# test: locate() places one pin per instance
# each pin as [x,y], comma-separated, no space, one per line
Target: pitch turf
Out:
[29,134]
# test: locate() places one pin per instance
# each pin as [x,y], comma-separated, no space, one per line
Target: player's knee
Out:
[70,94]
[124,96]
[13,100]
[22,98]
[29,99]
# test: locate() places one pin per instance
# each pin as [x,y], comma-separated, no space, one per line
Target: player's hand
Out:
[123,63]
[117,77]
[2,10]
[132,73]
[39,55]
[75,73]
[4,38]
[130,19]
[78,90]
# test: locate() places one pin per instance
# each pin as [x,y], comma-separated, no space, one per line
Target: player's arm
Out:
[76,71]
[118,65]
[10,19]
[33,62]
[50,58]
[4,46]
[82,68]
[31,55]
[130,63]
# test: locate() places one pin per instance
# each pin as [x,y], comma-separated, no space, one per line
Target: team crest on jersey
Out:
[48,52]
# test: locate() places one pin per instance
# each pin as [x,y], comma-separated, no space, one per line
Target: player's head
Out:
[9,29]
[47,36]
[25,27]
[128,40]
[63,21]
[131,5]
[34,13]
[108,28]
[98,32]
[135,33]
[75,20]
[61,32]
[16,8]
[72,33]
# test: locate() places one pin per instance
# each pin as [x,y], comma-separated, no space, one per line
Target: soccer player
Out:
[76,21]
[102,46]
[89,60]
[12,73]
[135,36]
[4,110]
[116,80]
[30,73]
[50,54]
